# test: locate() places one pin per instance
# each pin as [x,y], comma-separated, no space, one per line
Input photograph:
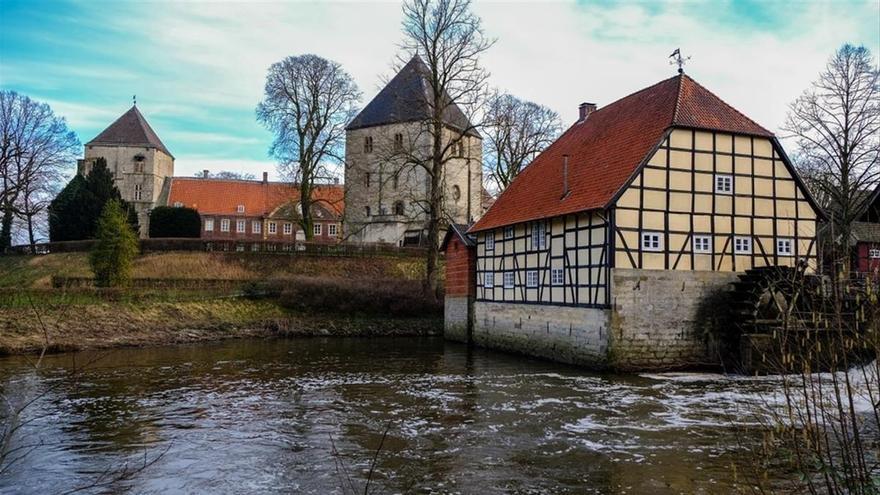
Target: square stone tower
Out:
[137,159]
[385,193]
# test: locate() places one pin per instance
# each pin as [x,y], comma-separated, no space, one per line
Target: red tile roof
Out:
[608,147]
[222,196]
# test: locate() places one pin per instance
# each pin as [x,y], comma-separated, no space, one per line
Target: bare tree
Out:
[35,147]
[226,174]
[308,102]
[837,126]
[516,131]
[449,39]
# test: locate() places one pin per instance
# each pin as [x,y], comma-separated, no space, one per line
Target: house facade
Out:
[256,210]
[866,238]
[138,160]
[602,251]
[386,192]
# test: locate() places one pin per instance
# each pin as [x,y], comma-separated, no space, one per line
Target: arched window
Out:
[395,180]
[367,210]
[398,208]
[456,193]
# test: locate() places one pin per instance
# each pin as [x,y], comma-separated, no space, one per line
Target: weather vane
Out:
[678,60]
[134,100]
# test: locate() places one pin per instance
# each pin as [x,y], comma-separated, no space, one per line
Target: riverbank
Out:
[110,325]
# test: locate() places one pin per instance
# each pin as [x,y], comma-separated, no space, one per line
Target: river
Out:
[307,416]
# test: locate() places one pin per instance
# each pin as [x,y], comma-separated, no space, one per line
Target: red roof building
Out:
[257,210]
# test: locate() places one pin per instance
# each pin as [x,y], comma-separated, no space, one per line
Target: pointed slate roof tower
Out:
[131,129]
[406,99]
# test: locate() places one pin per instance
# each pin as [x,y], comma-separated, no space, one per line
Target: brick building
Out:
[866,237]
[461,280]
[256,210]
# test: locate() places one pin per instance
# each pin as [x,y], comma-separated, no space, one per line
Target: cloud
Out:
[199,68]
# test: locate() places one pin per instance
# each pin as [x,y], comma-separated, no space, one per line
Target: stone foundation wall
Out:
[660,318]
[455,318]
[566,334]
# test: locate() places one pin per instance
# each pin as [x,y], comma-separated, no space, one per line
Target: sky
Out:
[198,68]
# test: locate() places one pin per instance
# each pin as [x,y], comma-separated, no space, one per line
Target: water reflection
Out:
[265,416]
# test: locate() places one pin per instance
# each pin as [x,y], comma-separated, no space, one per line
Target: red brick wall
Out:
[250,235]
[864,263]
[461,265]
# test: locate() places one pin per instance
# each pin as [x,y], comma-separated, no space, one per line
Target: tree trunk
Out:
[6,229]
[432,281]
[305,203]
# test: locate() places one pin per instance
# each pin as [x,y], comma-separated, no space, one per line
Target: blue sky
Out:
[198,67]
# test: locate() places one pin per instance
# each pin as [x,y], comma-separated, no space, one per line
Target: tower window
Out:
[398,208]
[460,149]
[367,179]
[368,144]
[395,180]
[398,142]
[366,211]
[138,192]
[456,193]
[138,167]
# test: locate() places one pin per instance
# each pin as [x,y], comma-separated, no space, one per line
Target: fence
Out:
[242,246]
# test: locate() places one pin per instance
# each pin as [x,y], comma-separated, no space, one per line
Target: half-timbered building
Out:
[602,249]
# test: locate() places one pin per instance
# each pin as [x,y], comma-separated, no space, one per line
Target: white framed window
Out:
[239,209]
[652,241]
[273,228]
[508,280]
[557,276]
[332,230]
[508,232]
[488,280]
[255,247]
[490,241]
[138,192]
[702,244]
[239,226]
[724,184]
[742,245]
[539,235]
[256,226]
[288,228]
[783,247]
[532,278]
[874,254]
[209,225]
[317,229]
[224,225]
[178,204]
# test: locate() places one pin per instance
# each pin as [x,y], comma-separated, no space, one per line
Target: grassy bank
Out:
[33,314]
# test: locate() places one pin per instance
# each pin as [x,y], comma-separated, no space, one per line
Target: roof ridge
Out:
[677,99]
[724,102]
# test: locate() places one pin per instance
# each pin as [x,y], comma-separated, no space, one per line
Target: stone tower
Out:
[385,196]
[137,159]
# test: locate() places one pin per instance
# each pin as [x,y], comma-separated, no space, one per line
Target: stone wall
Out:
[659,317]
[562,333]
[456,314]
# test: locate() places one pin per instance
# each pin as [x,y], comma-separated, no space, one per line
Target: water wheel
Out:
[764,297]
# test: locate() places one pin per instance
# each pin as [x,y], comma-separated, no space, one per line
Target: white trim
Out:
[224,225]
[490,241]
[702,244]
[723,184]
[742,245]
[654,241]
[509,279]
[489,280]
[209,225]
[532,278]
[557,276]
[784,247]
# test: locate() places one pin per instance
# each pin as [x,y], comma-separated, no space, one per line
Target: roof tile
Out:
[222,196]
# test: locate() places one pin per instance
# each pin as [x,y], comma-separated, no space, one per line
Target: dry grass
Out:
[37,271]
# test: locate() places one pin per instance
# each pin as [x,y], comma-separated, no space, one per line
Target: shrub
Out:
[392,297]
[169,221]
[114,252]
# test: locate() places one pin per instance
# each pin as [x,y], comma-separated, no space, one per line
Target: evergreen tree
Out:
[75,211]
[169,221]
[113,255]
[67,220]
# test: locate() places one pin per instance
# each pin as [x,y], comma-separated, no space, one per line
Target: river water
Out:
[307,416]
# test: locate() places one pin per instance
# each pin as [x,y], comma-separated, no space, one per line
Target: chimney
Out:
[265,177]
[585,109]
[564,176]
[205,174]
[336,180]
